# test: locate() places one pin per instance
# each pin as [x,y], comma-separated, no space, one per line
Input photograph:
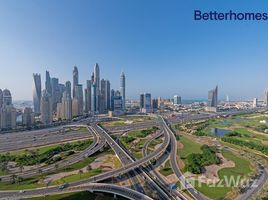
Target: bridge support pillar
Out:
[114,196]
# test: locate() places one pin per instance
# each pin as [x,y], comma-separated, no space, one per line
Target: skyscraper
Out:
[68,88]
[7,98]
[145,103]
[1,98]
[141,101]
[66,106]
[108,94]
[7,112]
[48,83]
[88,97]
[123,89]
[27,117]
[117,104]
[8,117]
[75,80]
[62,89]
[112,103]
[96,77]
[79,96]
[37,93]
[55,92]
[102,99]
[265,99]
[255,103]
[154,104]
[213,97]
[46,108]
[212,100]
[177,100]
[94,98]
[160,103]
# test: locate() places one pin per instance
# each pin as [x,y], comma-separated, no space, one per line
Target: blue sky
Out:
[157,43]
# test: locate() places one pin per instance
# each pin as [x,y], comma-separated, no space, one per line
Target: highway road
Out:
[106,175]
[28,139]
[169,139]
[36,138]
[156,174]
[126,159]
[175,166]
[255,186]
[97,144]
[91,187]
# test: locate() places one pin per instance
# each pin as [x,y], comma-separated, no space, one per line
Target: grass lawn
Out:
[2,173]
[152,145]
[189,146]
[25,184]
[242,168]
[33,182]
[77,177]
[166,170]
[134,141]
[136,133]
[78,165]
[78,195]
[246,133]
[113,123]
[40,150]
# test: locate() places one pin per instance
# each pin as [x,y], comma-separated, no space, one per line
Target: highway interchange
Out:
[136,169]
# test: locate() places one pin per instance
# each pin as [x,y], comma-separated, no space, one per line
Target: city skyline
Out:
[193,58]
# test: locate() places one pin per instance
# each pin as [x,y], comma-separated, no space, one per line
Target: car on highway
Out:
[65,185]
[22,191]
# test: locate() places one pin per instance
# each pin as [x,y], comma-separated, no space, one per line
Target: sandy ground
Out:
[100,162]
[180,161]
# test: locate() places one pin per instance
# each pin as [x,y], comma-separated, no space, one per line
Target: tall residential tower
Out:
[123,89]
[37,93]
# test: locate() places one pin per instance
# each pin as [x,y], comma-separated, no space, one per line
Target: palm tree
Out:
[21,167]
[20,179]
[14,178]
[80,172]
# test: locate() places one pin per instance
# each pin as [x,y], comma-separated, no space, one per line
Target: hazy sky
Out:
[157,43]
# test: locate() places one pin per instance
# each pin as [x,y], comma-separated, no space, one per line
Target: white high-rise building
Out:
[7,112]
[66,107]
[75,107]
[46,108]
[255,103]
[177,100]
[123,89]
